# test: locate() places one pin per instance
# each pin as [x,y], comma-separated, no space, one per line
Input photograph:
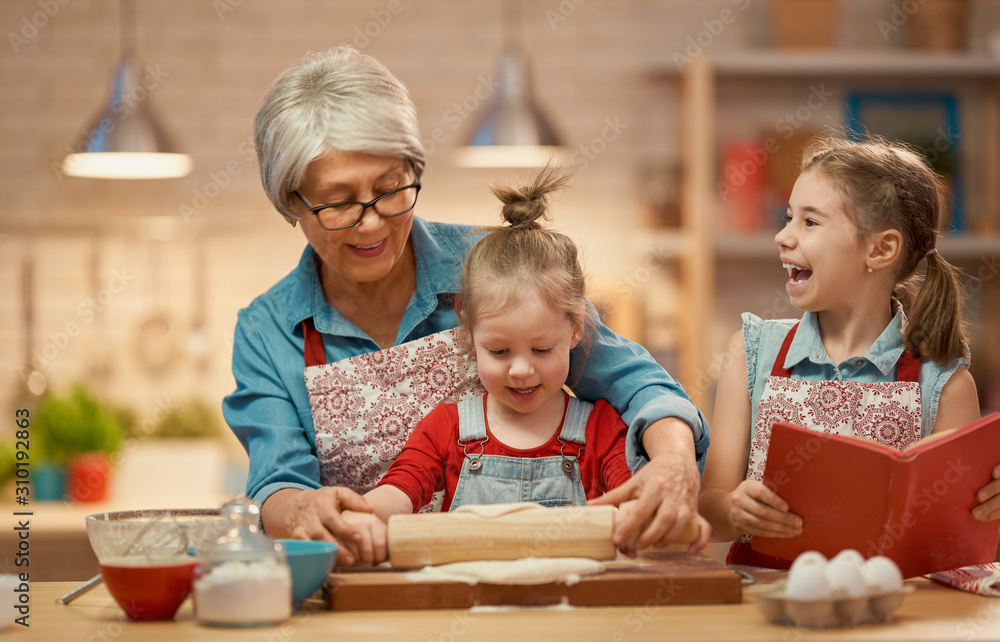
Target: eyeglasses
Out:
[340,216]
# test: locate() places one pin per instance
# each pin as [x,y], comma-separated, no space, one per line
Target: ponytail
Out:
[935,326]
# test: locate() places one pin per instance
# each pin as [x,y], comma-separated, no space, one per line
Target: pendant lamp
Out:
[125,141]
[513,130]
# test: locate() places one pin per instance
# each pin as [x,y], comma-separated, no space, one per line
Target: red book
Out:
[911,506]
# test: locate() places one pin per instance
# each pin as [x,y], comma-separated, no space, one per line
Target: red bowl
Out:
[148,590]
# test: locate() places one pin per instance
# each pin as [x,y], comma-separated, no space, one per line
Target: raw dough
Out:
[530,570]
[491,511]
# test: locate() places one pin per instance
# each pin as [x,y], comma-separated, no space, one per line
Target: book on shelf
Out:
[913,506]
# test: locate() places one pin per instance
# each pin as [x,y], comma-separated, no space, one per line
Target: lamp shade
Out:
[125,140]
[513,131]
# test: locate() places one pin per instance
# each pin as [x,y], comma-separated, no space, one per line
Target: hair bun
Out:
[523,213]
[522,207]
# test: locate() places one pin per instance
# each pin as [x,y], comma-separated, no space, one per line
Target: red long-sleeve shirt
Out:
[432,459]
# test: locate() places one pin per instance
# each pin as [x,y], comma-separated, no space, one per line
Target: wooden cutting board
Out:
[653,578]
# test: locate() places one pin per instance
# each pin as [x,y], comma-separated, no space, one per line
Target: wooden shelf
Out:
[700,248]
[773,63]
[761,247]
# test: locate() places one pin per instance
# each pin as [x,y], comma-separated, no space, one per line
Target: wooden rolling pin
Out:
[503,532]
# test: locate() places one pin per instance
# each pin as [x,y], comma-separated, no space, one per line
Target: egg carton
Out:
[874,608]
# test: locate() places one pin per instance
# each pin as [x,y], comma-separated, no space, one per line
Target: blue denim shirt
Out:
[269,411]
[809,361]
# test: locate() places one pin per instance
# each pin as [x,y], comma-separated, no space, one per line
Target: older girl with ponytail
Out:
[880,353]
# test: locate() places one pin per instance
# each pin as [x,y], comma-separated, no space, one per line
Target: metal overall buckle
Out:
[473,461]
[568,462]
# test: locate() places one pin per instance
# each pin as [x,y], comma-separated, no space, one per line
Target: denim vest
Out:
[498,479]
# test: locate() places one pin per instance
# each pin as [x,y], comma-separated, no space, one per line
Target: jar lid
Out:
[243,537]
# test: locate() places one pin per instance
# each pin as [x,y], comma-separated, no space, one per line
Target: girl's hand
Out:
[372,545]
[989,500]
[757,510]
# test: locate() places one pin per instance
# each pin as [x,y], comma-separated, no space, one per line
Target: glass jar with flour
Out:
[243,579]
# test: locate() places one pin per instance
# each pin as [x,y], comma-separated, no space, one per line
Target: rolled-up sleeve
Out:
[625,375]
[267,420]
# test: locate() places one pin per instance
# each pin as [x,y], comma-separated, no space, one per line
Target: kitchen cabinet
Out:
[739,94]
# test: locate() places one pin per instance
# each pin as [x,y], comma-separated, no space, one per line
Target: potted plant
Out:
[191,419]
[76,435]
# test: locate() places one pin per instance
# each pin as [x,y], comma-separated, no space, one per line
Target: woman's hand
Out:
[755,509]
[316,515]
[665,491]
[371,546]
[989,500]
[628,511]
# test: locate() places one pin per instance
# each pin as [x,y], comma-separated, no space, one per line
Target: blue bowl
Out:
[310,562]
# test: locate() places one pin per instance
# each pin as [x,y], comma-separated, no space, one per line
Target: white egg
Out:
[881,574]
[808,581]
[808,558]
[851,554]
[845,577]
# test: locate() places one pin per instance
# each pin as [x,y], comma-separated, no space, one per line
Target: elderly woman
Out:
[341,156]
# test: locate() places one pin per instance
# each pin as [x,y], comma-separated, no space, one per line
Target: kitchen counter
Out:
[931,612]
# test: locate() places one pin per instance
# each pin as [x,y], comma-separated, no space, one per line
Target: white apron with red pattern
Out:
[887,412]
[364,408]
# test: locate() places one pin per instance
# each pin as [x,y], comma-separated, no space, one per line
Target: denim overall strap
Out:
[498,479]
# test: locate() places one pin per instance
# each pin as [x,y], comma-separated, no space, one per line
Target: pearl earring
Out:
[869,270]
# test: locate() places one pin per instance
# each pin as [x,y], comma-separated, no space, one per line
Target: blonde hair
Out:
[523,259]
[887,185]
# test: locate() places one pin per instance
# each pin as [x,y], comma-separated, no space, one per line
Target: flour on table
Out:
[530,570]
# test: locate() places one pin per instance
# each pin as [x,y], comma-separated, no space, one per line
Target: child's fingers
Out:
[766,496]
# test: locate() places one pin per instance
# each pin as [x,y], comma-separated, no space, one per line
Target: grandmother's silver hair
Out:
[335,99]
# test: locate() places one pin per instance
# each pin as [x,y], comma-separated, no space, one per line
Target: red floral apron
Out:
[887,412]
[364,408]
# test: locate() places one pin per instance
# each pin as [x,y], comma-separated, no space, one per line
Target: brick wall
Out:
[214,61]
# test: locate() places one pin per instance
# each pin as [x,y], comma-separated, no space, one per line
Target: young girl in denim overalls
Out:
[523,308]
[880,353]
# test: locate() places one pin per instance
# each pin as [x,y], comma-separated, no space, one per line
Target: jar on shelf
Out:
[243,578]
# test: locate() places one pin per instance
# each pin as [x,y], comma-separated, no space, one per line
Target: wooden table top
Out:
[931,612]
